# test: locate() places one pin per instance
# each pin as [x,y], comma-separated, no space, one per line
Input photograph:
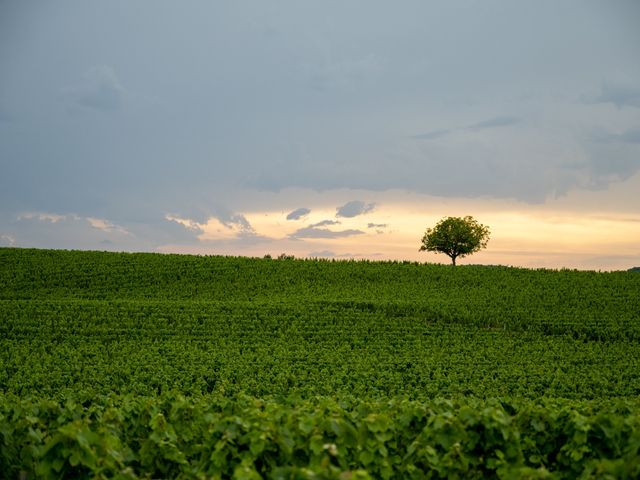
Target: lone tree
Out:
[456,237]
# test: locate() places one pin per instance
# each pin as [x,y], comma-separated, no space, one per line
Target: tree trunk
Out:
[453,261]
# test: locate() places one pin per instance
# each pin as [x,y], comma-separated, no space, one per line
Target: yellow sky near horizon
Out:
[585,229]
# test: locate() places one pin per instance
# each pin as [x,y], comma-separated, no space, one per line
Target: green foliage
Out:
[456,237]
[172,436]
[171,366]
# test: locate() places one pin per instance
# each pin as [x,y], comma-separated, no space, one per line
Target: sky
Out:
[334,129]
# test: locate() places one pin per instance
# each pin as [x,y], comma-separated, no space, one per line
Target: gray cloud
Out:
[239,221]
[628,136]
[47,230]
[308,98]
[619,95]
[314,232]
[100,89]
[354,208]
[433,134]
[4,116]
[324,223]
[330,74]
[494,122]
[376,225]
[298,213]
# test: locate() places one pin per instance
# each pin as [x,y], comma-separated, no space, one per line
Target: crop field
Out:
[118,365]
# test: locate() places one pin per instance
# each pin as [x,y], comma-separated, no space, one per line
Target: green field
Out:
[156,366]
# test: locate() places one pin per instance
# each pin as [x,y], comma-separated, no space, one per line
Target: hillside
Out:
[106,330]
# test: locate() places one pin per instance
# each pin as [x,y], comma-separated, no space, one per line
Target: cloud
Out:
[222,226]
[236,221]
[377,225]
[354,208]
[619,95]
[53,230]
[604,136]
[347,72]
[495,122]
[106,226]
[630,136]
[101,224]
[100,89]
[223,123]
[7,240]
[47,217]
[324,223]
[298,213]
[187,223]
[314,232]
[433,134]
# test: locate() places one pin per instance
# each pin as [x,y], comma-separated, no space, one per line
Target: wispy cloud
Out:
[47,217]
[495,122]
[433,134]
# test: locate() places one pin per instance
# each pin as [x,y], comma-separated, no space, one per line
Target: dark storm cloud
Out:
[298,213]
[159,115]
[354,208]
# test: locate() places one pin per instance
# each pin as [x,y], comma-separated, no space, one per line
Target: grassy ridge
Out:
[145,323]
[80,328]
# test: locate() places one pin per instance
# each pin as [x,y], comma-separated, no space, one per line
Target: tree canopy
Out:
[456,237]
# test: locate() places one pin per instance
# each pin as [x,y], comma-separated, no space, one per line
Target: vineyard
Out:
[118,365]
